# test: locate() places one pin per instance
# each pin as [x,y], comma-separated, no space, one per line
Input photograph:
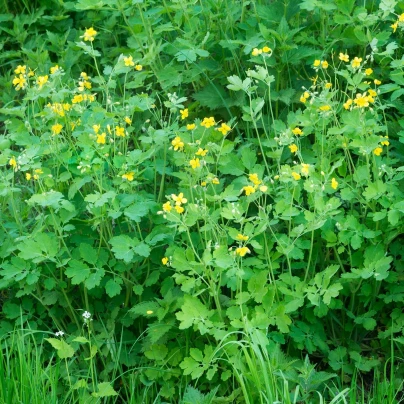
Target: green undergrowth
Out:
[202,201]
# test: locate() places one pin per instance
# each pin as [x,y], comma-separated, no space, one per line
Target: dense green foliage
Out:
[205,197]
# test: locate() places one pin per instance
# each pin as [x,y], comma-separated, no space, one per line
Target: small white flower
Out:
[59,333]
[86,315]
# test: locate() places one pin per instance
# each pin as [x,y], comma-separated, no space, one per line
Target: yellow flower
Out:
[138,68]
[304,97]
[194,163]
[28,176]
[128,61]
[305,169]
[334,183]
[348,104]
[177,143]
[20,69]
[167,206]
[344,57]
[297,131]
[191,126]
[401,18]
[179,200]
[368,72]
[254,179]
[101,139]
[394,26]
[224,129]
[361,100]
[31,73]
[203,184]
[129,176]
[325,108]
[179,209]
[120,131]
[266,49]
[56,129]
[54,69]
[36,176]
[296,176]
[149,312]
[164,260]
[208,122]
[377,82]
[77,98]
[378,151]
[328,85]
[241,237]
[256,52]
[372,93]
[324,64]
[249,190]
[127,120]
[96,128]
[384,142]
[293,148]
[317,63]
[314,80]
[19,82]
[263,188]
[184,113]
[13,163]
[242,251]
[201,152]
[38,171]
[356,62]
[89,34]
[41,80]
[215,181]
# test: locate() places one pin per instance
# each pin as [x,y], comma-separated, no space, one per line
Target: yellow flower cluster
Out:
[324,64]
[257,184]
[84,82]
[179,200]
[304,97]
[41,81]
[208,122]
[58,108]
[242,251]
[56,129]
[379,150]
[177,143]
[361,100]
[264,50]
[83,97]
[35,175]
[399,22]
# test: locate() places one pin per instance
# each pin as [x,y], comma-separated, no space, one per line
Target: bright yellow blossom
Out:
[13,163]
[368,71]
[361,100]
[96,128]
[378,151]
[191,126]
[241,237]
[348,104]
[119,131]
[224,129]
[54,69]
[249,190]
[128,61]
[215,181]
[179,209]
[149,312]
[377,82]
[129,176]
[89,34]
[344,57]
[328,85]
[184,113]
[101,139]
[254,179]
[179,199]
[38,171]
[20,69]
[334,183]
[19,82]
[41,80]
[394,26]
[293,148]
[201,152]
[138,68]
[242,251]
[384,142]
[317,63]
[127,120]
[256,52]
[77,98]
[208,122]
[195,163]
[56,128]
[305,169]
[28,176]
[296,176]
[177,143]
[164,260]
[356,63]
[372,93]
[325,108]
[297,131]
[167,206]
[324,64]
[401,18]
[266,49]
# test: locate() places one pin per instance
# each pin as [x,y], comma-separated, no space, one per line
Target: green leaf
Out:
[156,352]
[104,390]
[78,271]
[64,350]
[88,253]
[123,247]
[194,312]
[113,287]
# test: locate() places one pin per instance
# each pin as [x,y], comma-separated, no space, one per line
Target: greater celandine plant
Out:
[168,223]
